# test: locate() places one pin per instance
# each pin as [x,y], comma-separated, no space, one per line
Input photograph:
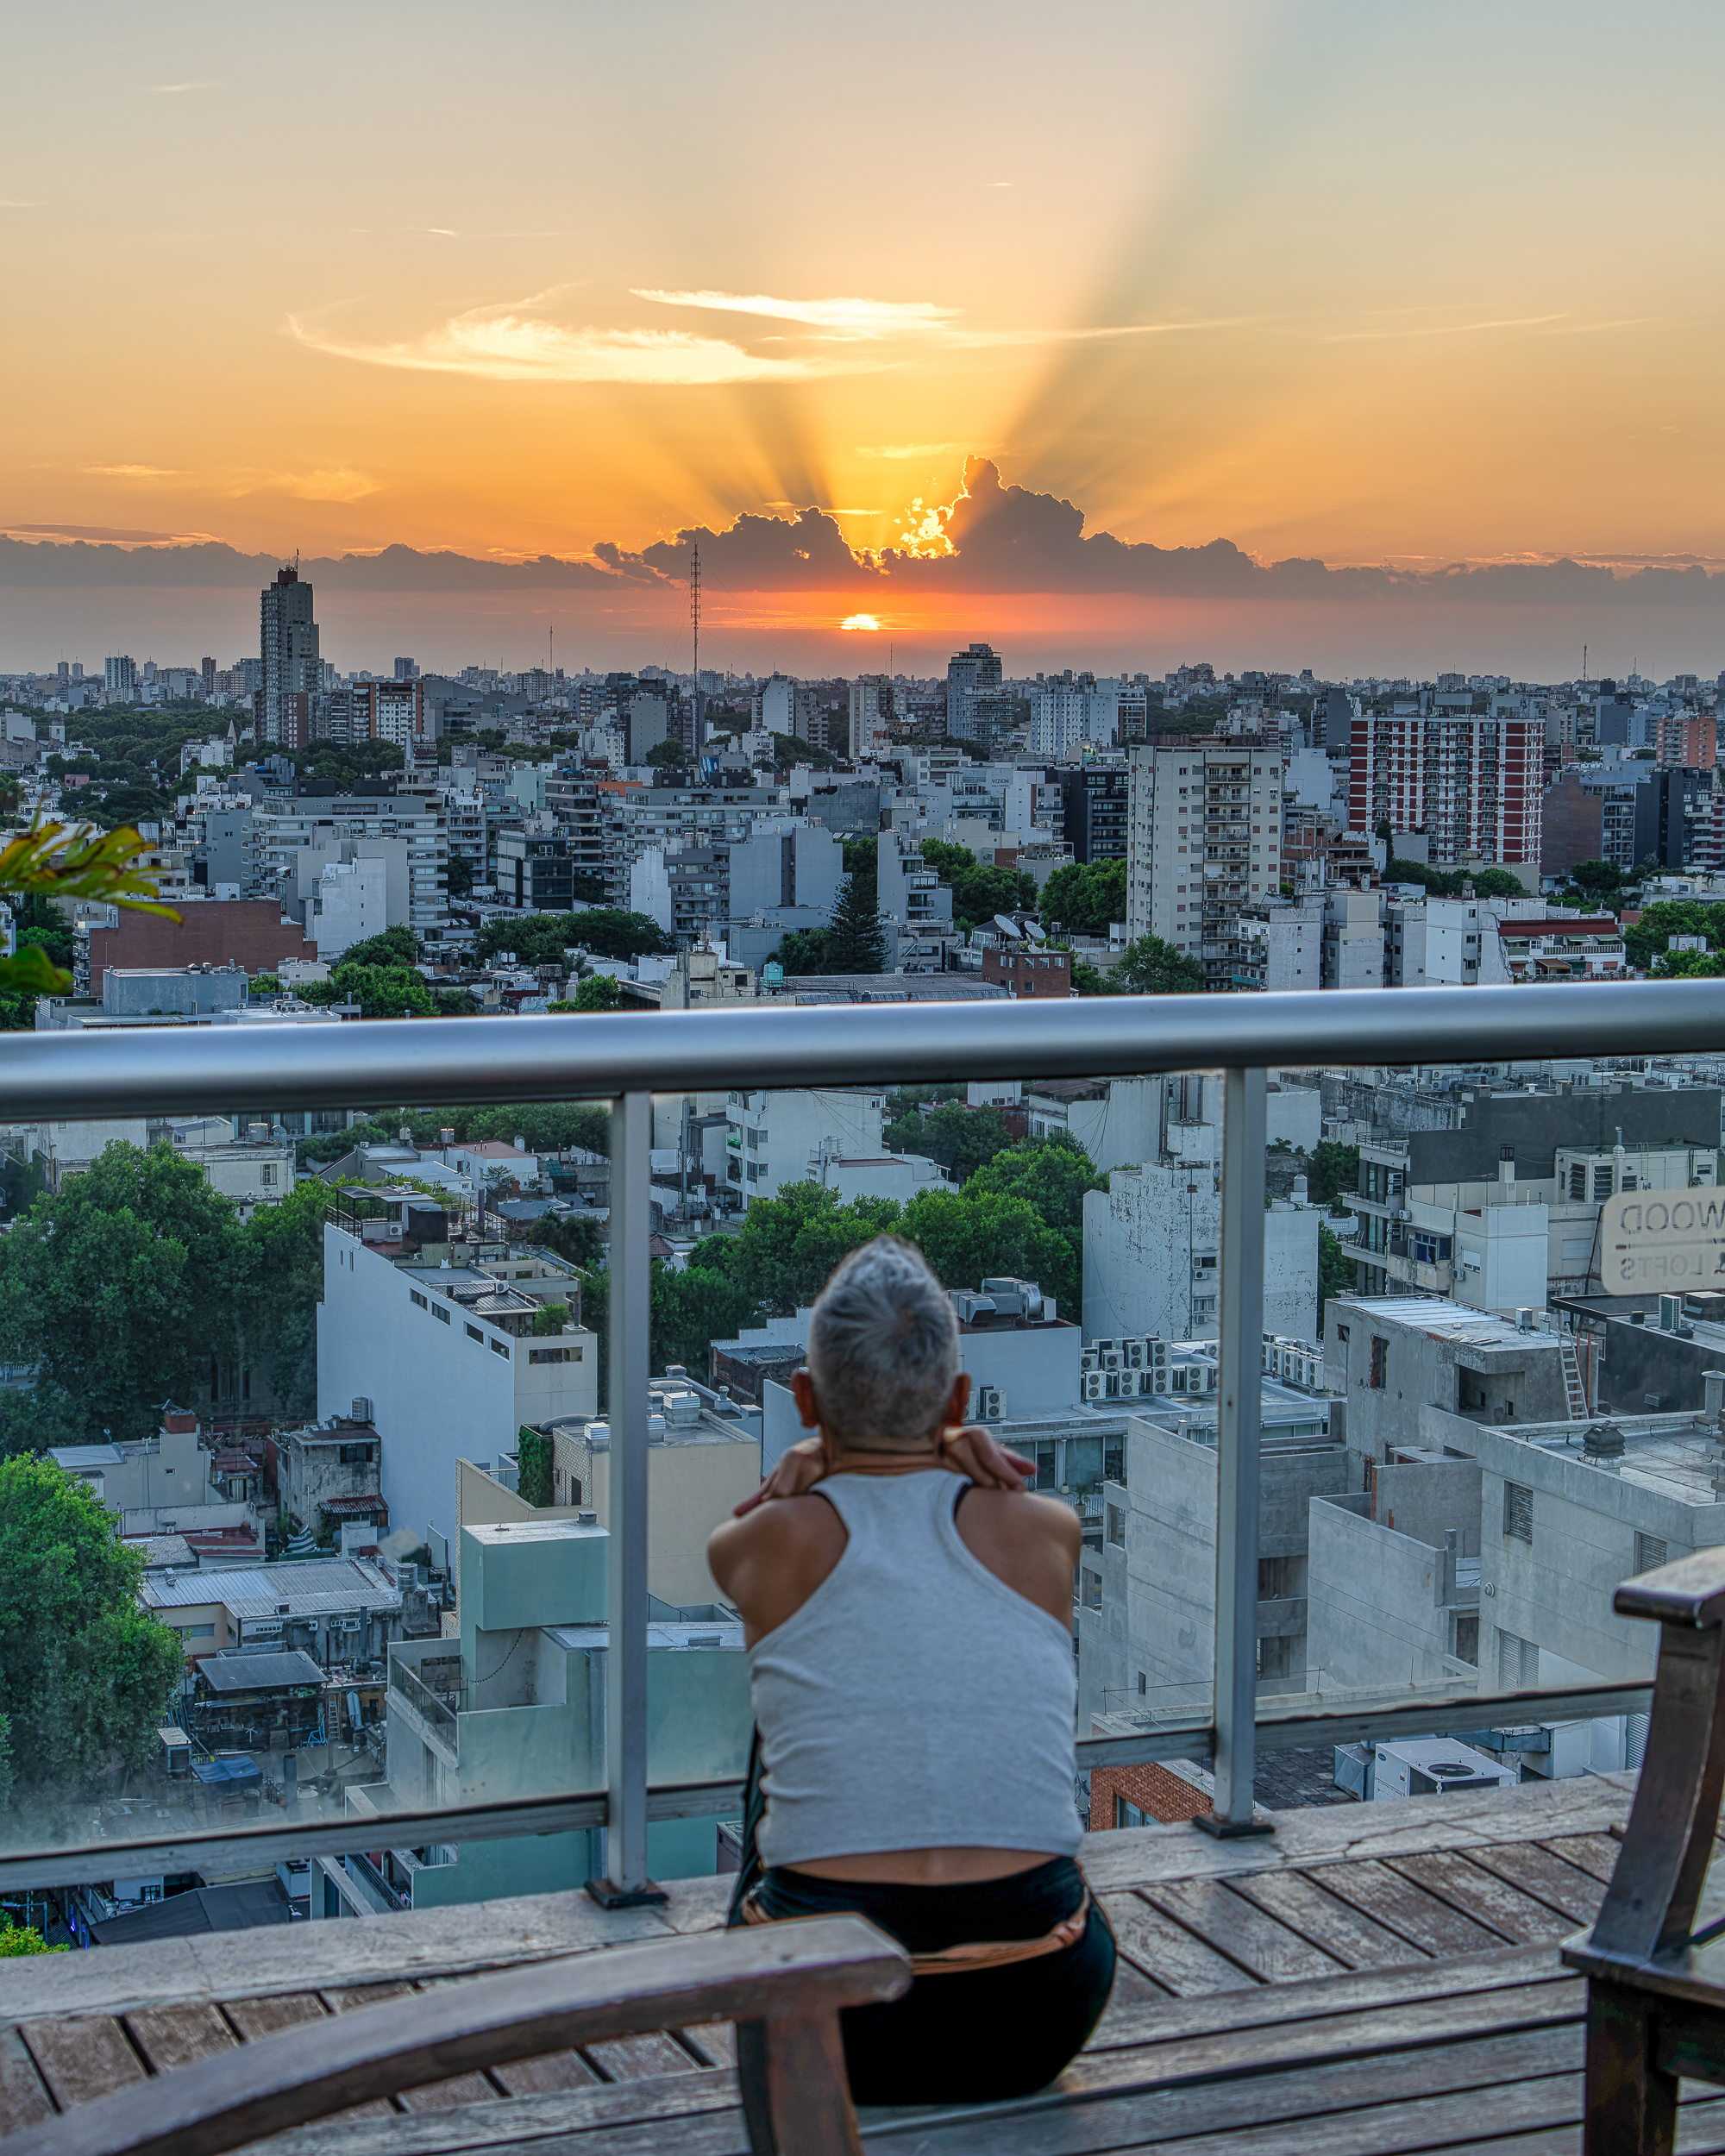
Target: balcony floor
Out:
[1375,1978]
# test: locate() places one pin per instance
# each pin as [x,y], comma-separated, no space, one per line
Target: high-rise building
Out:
[1204,840]
[974,697]
[120,677]
[871,713]
[207,670]
[1470,784]
[291,666]
[407,669]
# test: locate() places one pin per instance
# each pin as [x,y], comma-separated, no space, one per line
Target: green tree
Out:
[599,992]
[1689,965]
[120,1289]
[1151,967]
[381,992]
[1090,980]
[1052,1176]
[396,946]
[1599,879]
[801,950]
[1333,1174]
[689,1311]
[668,755]
[862,858]
[284,1285]
[856,940]
[978,892]
[548,1126]
[85,1676]
[609,933]
[577,1240]
[266,984]
[968,1240]
[1336,1274]
[460,882]
[551,1317]
[1086,899]
[959,1137]
[789,1244]
[1649,937]
[533,1457]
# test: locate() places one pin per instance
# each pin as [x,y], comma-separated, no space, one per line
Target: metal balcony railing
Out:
[434,1062]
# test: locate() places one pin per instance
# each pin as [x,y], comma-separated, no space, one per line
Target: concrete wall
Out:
[690,1489]
[1374,1613]
[1038,1369]
[438,1396]
[1143,1239]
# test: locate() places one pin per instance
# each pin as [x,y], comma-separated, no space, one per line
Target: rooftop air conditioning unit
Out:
[991,1404]
[1113,1360]
[1092,1385]
[1150,1382]
[1132,1355]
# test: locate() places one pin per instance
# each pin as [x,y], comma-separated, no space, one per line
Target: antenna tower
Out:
[695,623]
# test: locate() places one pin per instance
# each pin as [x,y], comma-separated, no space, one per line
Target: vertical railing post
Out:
[626,1883]
[1238,1402]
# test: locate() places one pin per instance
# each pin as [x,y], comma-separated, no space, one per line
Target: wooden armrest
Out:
[799,1973]
[1691,1591]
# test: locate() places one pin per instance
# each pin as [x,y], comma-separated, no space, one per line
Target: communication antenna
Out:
[695,622]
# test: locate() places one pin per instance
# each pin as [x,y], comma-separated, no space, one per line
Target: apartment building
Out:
[1471,785]
[303,826]
[1204,844]
[448,1355]
[794,1136]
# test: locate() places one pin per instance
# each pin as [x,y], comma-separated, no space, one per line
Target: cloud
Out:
[339,484]
[129,471]
[180,88]
[513,343]
[845,318]
[12,203]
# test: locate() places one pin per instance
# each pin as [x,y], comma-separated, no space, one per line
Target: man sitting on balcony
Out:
[909,1634]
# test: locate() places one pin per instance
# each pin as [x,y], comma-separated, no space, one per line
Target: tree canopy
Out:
[857,938]
[1648,938]
[397,946]
[959,1137]
[1086,897]
[1151,967]
[121,1288]
[978,892]
[86,1676]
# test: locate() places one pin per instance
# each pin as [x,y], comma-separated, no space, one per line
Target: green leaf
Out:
[32,973]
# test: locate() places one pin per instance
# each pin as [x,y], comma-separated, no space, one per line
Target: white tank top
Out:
[914,1702]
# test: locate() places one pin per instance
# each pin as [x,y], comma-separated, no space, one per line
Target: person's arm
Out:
[768,1565]
[1030,1544]
[970,1450]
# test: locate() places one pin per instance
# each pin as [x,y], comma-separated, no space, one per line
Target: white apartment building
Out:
[871,716]
[1204,842]
[351,904]
[775,1139]
[446,1359]
[322,827]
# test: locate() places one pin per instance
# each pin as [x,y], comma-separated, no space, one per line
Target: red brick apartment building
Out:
[1029,972]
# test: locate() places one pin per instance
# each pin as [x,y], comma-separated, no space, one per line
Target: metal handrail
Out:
[54,1076]
[427,1063]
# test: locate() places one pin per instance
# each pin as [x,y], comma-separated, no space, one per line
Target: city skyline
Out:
[1330,284]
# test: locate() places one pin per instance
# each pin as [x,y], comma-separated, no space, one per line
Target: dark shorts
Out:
[985,2034]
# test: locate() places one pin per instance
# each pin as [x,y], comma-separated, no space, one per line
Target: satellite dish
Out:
[1008,926]
[1037,934]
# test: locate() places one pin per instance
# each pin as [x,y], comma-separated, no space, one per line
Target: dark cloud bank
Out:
[1005,539]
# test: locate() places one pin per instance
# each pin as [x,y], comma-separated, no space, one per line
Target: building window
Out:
[1380,1363]
[1117,1525]
[1127,1814]
[1093,1589]
[1518,1511]
[439,1313]
[355,1455]
[1518,1663]
[499,1347]
[1467,1637]
[1275,1657]
[1429,1249]
[547,1355]
[419,1300]
[1650,1552]
[197,1631]
[474,1334]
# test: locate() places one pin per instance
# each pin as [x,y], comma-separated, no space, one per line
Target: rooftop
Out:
[313,1588]
[259,1672]
[1677,1455]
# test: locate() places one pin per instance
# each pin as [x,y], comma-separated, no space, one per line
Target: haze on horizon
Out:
[1416,286]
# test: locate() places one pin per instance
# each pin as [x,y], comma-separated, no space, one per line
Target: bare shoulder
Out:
[773,1531]
[769,1562]
[1022,1520]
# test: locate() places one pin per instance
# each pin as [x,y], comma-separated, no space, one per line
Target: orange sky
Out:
[1414,283]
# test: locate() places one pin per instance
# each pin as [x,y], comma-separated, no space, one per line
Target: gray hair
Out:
[883,1347]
